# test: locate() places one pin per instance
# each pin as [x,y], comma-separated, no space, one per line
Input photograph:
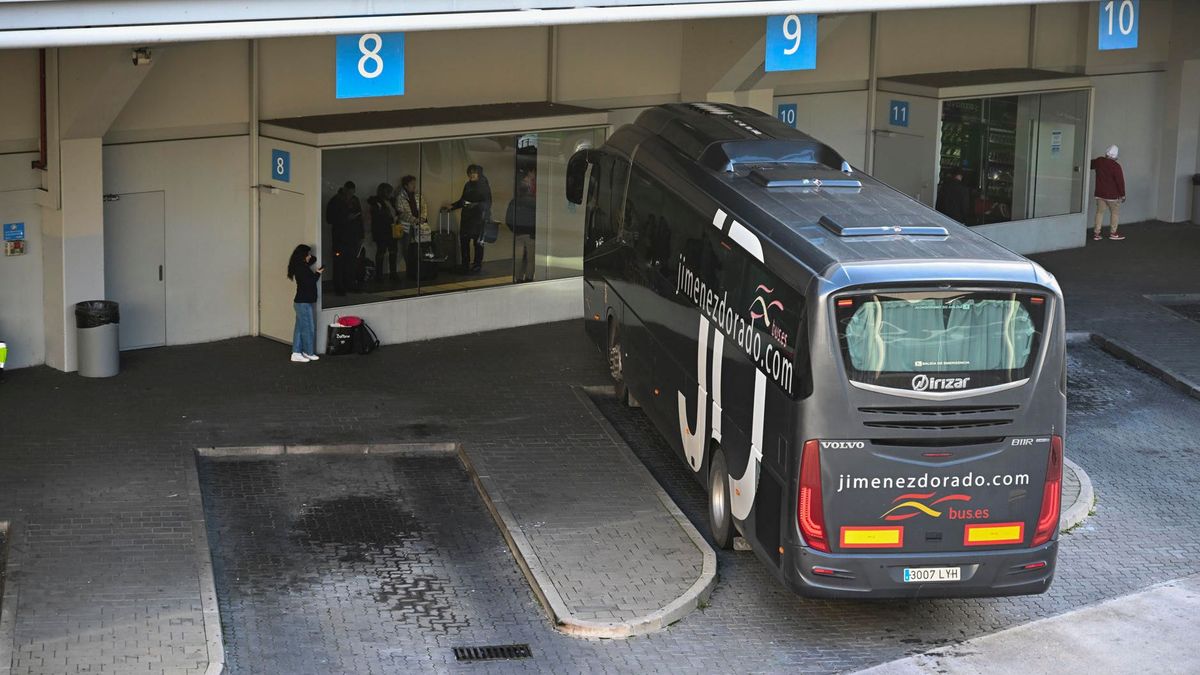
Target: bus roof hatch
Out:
[802,175]
[877,230]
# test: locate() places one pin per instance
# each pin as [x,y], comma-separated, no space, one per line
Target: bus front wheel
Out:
[616,366]
[720,519]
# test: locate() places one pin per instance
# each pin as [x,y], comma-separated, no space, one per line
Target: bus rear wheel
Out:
[720,519]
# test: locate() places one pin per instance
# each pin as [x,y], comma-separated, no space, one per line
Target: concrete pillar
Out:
[1181,141]
[73,247]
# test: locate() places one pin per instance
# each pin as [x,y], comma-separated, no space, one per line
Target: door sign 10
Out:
[791,42]
[1119,24]
[371,64]
[786,112]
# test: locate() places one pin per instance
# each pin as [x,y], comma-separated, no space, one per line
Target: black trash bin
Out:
[1196,198]
[98,347]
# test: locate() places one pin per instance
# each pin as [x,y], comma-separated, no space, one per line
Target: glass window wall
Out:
[414,219]
[1012,157]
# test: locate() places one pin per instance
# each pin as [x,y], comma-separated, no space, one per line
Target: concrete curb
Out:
[543,586]
[1076,513]
[392,449]
[9,596]
[702,588]
[208,588]
[1174,380]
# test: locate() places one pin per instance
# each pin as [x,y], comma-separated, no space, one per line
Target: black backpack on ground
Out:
[364,339]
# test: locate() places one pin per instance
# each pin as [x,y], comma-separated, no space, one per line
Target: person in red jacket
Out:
[1110,193]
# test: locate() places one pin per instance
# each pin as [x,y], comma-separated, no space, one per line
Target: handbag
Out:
[339,340]
[397,230]
[491,232]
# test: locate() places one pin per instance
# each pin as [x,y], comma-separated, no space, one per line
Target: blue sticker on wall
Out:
[14,232]
[281,165]
[371,64]
[791,42]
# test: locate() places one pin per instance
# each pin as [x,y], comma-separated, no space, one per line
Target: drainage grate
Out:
[492,652]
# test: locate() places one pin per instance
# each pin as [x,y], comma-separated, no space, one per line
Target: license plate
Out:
[924,575]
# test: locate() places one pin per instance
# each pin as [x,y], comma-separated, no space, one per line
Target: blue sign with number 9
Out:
[791,42]
[371,64]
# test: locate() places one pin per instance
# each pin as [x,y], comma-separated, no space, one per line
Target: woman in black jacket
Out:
[383,217]
[476,205]
[305,334]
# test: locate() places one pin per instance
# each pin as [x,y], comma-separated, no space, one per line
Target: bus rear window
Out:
[967,339]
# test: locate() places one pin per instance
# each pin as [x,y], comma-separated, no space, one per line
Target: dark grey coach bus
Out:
[872,394]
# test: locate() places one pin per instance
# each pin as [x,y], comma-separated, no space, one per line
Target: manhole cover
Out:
[492,652]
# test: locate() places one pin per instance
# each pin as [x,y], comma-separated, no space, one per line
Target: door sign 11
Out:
[791,42]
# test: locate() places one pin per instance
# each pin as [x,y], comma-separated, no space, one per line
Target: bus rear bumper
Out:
[983,573]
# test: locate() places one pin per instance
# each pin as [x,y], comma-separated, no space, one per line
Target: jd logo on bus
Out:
[926,383]
[912,505]
[761,308]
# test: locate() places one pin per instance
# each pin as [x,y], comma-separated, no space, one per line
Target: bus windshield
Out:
[982,338]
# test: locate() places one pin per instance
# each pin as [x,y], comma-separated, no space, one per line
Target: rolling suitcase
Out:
[445,240]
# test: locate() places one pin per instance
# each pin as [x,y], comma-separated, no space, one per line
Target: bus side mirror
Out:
[577,168]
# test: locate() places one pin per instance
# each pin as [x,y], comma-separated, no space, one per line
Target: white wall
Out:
[837,119]
[206,184]
[1127,113]
[21,307]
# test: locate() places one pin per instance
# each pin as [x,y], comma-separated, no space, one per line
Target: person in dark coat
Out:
[953,197]
[305,333]
[476,205]
[344,215]
[1110,193]
[383,217]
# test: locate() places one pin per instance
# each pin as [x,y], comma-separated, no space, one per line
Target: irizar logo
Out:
[927,383]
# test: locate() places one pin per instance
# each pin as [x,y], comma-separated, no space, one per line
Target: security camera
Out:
[141,56]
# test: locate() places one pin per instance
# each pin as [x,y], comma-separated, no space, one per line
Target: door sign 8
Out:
[371,64]
[786,112]
[281,165]
[898,113]
[791,42]
[1119,24]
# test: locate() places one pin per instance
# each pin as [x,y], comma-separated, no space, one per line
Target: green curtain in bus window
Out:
[939,335]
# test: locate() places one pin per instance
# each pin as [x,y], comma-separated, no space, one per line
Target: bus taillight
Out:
[1051,494]
[809,511]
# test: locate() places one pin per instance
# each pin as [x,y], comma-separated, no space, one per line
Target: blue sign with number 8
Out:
[371,64]
[281,165]
[791,42]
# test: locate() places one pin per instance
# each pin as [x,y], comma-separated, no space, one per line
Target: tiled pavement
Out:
[1106,283]
[93,474]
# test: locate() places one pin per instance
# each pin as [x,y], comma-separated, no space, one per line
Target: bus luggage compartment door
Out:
[886,498]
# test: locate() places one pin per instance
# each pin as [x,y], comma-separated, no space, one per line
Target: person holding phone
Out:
[305,334]
[476,205]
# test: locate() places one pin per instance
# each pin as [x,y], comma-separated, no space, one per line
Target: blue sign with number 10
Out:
[791,42]
[371,64]
[787,114]
[1118,24]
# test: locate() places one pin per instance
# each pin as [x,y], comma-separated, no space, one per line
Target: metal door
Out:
[135,245]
